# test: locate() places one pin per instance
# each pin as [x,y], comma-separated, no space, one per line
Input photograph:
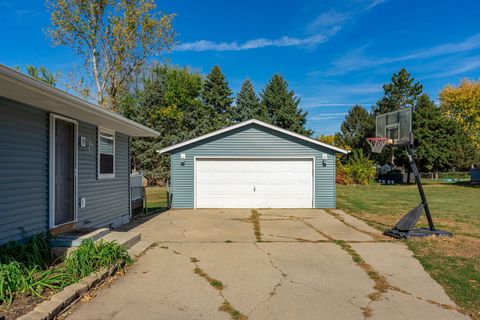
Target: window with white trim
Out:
[106,154]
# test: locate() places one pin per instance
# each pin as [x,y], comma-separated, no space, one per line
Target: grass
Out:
[156,198]
[455,262]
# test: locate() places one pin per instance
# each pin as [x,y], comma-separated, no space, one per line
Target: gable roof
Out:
[17,86]
[246,123]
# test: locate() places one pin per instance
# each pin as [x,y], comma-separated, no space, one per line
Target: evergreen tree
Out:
[434,136]
[358,125]
[217,98]
[282,106]
[402,92]
[248,105]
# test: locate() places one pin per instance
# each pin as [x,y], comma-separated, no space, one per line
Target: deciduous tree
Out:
[114,38]
[462,103]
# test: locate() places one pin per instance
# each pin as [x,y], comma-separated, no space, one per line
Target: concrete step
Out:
[139,248]
[74,239]
[125,239]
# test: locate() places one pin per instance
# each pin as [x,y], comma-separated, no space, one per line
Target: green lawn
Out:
[454,263]
[156,198]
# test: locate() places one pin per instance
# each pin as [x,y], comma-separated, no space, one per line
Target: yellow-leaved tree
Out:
[113,37]
[462,103]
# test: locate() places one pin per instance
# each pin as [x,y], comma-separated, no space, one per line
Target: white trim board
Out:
[51,173]
[195,158]
[245,123]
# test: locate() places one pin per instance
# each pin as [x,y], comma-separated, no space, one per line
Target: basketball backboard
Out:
[395,125]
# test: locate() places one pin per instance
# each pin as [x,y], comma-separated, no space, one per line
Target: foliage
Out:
[435,136]
[113,37]
[248,105]
[91,256]
[462,103]
[402,92]
[217,98]
[360,168]
[328,139]
[32,252]
[28,267]
[41,73]
[169,102]
[358,125]
[283,106]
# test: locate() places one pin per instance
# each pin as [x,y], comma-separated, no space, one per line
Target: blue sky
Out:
[333,53]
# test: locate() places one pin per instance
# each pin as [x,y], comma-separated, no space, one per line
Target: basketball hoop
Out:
[377,144]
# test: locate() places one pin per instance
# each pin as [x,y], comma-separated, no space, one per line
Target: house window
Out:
[106,154]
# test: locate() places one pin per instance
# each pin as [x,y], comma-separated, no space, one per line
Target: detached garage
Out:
[252,165]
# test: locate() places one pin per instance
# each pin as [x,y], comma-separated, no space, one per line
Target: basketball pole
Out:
[418,180]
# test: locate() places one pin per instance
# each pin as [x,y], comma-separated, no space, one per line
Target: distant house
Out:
[64,162]
[252,165]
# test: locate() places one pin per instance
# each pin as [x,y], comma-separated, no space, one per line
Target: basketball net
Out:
[377,144]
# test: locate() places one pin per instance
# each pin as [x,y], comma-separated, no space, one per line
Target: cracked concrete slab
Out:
[396,305]
[396,263]
[337,229]
[355,222]
[288,230]
[161,285]
[285,278]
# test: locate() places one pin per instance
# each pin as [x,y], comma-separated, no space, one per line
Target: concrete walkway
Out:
[269,264]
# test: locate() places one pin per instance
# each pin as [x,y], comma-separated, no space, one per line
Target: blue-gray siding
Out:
[106,199]
[251,141]
[24,172]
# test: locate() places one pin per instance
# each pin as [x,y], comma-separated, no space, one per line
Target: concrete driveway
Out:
[269,264]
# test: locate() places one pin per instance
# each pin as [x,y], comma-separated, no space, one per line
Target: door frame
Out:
[195,158]
[51,175]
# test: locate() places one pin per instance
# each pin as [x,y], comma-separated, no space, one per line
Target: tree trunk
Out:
[97,78]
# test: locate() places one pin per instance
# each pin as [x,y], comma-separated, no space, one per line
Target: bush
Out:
[91,256]
[34,252]
[28,267]
[358,169]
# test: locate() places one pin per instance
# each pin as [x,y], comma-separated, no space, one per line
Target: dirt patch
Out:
[22,304]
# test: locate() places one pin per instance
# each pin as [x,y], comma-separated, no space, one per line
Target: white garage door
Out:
[254,183]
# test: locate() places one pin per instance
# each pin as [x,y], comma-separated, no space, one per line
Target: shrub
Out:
[359,169]
[35,251]
[26,267]
[91,256]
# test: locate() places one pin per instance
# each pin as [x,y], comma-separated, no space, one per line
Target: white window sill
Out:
[106,176]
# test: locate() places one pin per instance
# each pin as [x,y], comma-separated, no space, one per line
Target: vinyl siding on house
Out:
[251,141]
[23,170]
[107,200]
[24,175]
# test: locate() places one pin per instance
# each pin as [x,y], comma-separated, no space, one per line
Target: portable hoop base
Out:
[416,233]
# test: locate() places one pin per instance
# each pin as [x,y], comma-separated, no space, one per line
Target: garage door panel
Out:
[254,183]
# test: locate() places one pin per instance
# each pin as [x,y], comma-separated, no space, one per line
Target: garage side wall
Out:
[251,141]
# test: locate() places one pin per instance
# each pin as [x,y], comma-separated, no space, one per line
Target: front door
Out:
[64,171]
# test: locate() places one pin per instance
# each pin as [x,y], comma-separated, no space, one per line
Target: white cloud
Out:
[205,45]
[320,29]
[357,60]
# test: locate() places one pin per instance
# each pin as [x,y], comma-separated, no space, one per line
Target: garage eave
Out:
[168,150]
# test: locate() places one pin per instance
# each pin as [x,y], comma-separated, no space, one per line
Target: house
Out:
[64,162]
[252,165]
